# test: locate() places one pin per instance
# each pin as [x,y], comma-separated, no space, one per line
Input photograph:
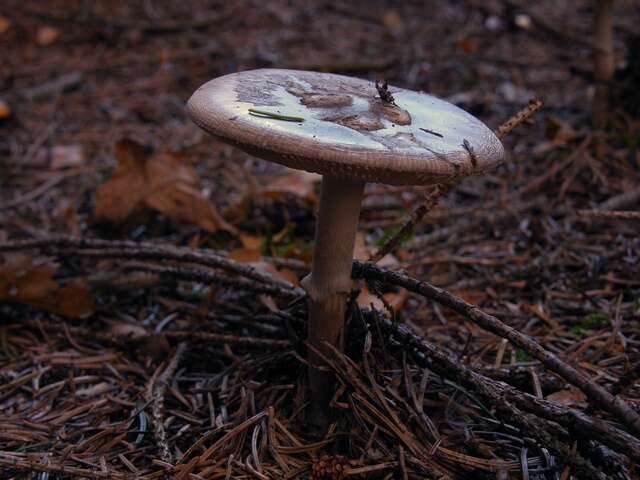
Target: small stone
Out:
[65,156]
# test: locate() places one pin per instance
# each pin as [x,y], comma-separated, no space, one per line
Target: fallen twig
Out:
[609,214]
[622,200]
[522,116]
[159,389]
[572,419]
[430,201]
[22,462]
[196,274]
[597,394]
[41,189]
[55,245]
[230,339]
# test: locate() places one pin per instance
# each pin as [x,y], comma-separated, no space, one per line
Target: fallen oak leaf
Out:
[24,281]
[251,242]
[298,183]
[395,300]
[5,25]
[5,110]
[254,258]
[47,35]
[183,202]
[162,182]
[569,396]
[121,195]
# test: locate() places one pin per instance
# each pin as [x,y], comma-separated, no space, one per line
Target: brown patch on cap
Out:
[320,100]
[393,113]
[357,122]
[378,142]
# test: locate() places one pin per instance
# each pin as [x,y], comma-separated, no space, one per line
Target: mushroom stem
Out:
[330,282]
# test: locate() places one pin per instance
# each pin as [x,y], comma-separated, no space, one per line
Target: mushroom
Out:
[339,127]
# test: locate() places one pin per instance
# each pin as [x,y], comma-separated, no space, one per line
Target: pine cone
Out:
[329,468]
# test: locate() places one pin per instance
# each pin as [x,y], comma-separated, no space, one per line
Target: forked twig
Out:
[522,116]
[430,201]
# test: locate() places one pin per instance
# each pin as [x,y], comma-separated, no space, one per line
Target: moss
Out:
[389,233]
[592,321]
[522,356]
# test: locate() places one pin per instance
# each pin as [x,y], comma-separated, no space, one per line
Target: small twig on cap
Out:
[472,155]
[383,90]
[275,116]
[522,116]
[432,132]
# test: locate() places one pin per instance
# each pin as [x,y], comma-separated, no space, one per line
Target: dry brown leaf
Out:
[123,193]
[162,182]
[558,131]
[251,242]
[248,255]
[184,203]
[568,396]
[5,24]
[471,296]
[24,281]
[269,302]
[363,252]
[392,20]
[289,275]
[467,45]
[254,258]
[5,110]
[297,182]
[394,299]
[47,35]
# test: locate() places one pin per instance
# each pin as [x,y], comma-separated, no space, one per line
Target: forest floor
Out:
[173,358]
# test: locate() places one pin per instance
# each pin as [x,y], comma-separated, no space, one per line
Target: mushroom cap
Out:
[347,130]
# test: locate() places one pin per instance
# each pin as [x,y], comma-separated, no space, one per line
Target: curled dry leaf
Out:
[569,396]
[394,299]
[5,25]
[558,131]
[256,260]
[24,281]
[260,263]
[392,19]
[297,182]
[128,331]
[5,110]
[162,182]
[251,242]
[363,252]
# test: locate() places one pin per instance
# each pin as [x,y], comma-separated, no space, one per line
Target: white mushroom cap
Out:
[348,131]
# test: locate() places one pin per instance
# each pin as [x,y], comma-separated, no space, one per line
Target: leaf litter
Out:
[176,342]
[162,182]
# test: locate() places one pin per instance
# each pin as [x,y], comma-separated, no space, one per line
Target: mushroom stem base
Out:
[330,282]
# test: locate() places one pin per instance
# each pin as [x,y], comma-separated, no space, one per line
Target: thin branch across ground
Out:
[517,408]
